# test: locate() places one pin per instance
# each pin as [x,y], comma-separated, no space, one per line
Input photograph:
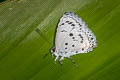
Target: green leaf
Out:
[27,29]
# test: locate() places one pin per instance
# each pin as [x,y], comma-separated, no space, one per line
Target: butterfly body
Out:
[72,37]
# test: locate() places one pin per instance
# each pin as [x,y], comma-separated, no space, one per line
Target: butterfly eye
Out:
[53,49]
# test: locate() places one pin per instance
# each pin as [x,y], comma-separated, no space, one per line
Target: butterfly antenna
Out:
[60,62]
[45,55]
[41,34]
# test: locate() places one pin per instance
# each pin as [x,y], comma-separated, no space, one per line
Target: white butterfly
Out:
[72,37]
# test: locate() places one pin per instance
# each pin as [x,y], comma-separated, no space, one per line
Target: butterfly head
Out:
[53,50]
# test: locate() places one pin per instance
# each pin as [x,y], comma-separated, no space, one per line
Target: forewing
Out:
[73,36]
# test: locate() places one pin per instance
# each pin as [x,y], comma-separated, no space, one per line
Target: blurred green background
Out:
[22,48]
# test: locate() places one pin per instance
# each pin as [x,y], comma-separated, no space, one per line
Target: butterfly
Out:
[72,37]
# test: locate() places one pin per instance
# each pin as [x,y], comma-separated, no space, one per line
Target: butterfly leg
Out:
[52,55]
[62,58]
[56,59]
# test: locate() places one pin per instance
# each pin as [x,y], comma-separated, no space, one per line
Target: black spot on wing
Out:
[62,23]
[80,28]
[91,38]
[66,52]
[80,36]
[92,45]
[73,45]
[63,31]
[73,27]
[81,41]
[66,43]
[76,51]
[75,40]
[73,37]
[82,49]
[72,24]
[80,25]
[67,21]
[71,34]
[66,48]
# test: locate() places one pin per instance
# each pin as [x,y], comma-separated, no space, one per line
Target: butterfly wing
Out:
[73,36]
